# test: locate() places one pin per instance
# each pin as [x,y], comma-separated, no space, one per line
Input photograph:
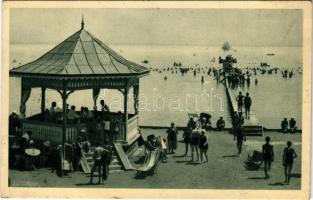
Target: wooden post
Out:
[64,122]
[125,111]
[136,98]
[64,97]
[43,99]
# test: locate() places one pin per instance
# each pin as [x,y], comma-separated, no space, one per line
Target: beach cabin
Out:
[80,62]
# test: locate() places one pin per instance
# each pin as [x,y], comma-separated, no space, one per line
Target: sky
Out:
[241,27]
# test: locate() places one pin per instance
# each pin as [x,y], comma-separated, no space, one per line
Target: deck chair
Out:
[254,161]
[150,165]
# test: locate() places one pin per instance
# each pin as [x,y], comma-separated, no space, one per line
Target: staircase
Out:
[114,167]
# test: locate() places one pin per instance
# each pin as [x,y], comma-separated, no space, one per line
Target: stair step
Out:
[114,167]
[110,166]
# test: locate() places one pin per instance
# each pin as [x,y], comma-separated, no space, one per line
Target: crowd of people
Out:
[54,114]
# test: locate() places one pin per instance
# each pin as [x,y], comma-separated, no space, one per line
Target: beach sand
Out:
[223,171]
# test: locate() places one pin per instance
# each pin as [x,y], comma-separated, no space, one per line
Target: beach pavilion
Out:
[78,63]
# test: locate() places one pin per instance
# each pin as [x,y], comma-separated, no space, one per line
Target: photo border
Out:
[304,193]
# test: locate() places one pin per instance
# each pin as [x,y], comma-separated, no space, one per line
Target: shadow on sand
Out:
[192,163]
[296,175]
[231,156]
[87,184]
[182,161]
[276,184]
[179,156]
[256,178]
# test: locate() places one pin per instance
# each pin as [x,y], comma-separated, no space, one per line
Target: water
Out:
[162,102]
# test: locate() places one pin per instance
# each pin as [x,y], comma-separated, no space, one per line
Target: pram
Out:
[254,161]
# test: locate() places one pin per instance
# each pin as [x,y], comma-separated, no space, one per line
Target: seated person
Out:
[284,125]
[220,124]
[292,124]
[151,143]
[25,141]
[14,123]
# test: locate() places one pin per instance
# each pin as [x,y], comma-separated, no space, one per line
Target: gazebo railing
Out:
[51,131]
[132,129]
[42,130]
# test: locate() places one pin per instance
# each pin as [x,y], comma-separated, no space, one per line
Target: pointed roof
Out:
[81,54]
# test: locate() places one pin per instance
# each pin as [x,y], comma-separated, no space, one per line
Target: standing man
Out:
[240,138]
[106,158]
[172,138]
[194,142]
[268,156]
[239,100]
[187,134]
[248,102]
[203,146]
[97,163]
[289,155]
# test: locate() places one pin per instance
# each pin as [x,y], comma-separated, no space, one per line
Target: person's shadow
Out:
[256,178]
[231,156]
[276,184]
[296,175]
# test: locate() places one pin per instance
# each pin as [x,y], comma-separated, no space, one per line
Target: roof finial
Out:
[82,23]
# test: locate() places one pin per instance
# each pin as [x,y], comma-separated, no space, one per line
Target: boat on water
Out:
[145,61]
[270,54]
[226,46]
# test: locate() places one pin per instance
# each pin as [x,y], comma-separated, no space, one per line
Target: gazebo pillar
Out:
[43,99]
[95,95]
[125,111]
[64,97]
[136,98]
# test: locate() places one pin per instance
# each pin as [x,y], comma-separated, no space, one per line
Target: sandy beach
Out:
[223,171]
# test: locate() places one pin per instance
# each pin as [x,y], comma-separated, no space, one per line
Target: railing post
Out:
[43,99]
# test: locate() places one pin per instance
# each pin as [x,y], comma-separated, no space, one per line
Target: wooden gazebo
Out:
[80,62]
